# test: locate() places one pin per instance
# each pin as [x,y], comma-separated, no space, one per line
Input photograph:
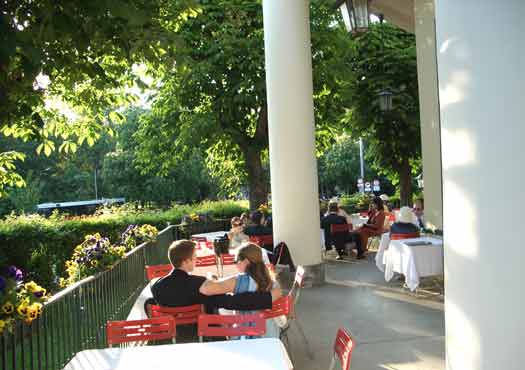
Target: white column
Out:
[481,59]
[429,112]
[293,166]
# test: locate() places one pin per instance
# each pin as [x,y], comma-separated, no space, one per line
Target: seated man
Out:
[256,226]
[333,218]
[404,223]
[179,288]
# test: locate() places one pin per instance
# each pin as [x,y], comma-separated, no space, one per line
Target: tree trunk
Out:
[405,184]
[258,188]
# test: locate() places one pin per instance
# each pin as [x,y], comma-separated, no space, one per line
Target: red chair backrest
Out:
[157,271]
[340,228]
[157,328]
[262,239]
[182,315]
[206,261]
[227,259]
[343,347]
[404,236]
[231,325]
[280,307]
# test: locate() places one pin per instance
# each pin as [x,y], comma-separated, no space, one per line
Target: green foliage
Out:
[355,202]
[385,58]
[41,245]
[215,95]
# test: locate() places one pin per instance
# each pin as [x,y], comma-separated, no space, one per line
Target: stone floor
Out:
[393,328]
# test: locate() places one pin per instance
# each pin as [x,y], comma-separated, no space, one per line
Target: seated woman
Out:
[419,211]
[375,223]
[236,234]
[253,277]
[404,223]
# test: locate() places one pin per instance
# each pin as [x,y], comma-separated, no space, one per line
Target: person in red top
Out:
[375,224]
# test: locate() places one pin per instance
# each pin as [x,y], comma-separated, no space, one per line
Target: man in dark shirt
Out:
[179,288]
[256,227]
[338,239]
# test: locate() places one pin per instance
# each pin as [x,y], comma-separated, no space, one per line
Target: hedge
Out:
[40,246]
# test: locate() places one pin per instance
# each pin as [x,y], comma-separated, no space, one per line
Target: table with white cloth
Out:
[414,258]
[255,354]
[211,236]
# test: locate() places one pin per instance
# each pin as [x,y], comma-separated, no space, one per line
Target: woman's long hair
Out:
[257,270]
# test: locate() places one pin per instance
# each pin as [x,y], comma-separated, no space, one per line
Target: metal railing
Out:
[75,318]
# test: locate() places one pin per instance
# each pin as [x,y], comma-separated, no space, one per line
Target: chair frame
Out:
[157,271]
[399,236]
[343,347]
[183,315]
[231,325]
[124,332]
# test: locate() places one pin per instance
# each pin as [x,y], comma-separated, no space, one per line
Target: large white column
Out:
[293,166]
[429,111]
[481,59]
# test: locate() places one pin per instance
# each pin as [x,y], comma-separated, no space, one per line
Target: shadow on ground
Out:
[393,329]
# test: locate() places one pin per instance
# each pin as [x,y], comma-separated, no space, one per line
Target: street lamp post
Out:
[355,14]
[385,100]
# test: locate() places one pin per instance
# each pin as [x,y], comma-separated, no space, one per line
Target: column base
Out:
[314,276]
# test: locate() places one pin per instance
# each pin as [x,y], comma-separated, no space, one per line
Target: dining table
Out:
[255,354]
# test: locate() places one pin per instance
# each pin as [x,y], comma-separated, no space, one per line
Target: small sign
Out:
[376,186]
[360,185]
[368,187]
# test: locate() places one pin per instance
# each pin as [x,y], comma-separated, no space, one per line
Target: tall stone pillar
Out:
[429,111]
[481,59]
[293,166]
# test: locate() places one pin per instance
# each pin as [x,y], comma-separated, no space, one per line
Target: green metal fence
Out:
[75,319]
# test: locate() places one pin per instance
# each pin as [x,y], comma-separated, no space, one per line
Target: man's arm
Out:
[244,301]
[210,287]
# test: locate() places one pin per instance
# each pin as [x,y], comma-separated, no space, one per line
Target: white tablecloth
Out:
[413,261]
[254,354]
[211,236]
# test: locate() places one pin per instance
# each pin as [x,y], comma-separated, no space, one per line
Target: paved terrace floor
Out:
[394,329]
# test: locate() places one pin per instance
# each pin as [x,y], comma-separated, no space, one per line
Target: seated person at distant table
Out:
[376,221]
[334,218]
[236,234]
[404,223]
[180,288]
[256,226]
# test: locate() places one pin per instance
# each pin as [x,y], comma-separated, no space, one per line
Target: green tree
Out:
[215,95]
[79,55]
[385,58]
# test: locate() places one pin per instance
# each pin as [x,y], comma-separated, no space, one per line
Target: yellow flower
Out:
[31,286]
[2,326]
[94,263]
[22,309]
[32,313]
[38,307]
[8,308]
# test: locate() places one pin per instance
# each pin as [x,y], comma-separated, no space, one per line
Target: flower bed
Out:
[19,300]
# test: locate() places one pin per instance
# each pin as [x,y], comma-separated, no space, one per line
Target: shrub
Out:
[355,202]
[41,246]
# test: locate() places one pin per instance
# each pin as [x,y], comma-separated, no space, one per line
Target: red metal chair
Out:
[231,325]
[227,259]
[205,261]
[294,294]
[404,236]
[183,315]
[281,307]
[157,271]
[159,328]
[340,228]
[343,346]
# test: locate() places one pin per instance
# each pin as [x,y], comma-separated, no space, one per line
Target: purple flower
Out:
[3,283]
[39,294]
[15,273]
